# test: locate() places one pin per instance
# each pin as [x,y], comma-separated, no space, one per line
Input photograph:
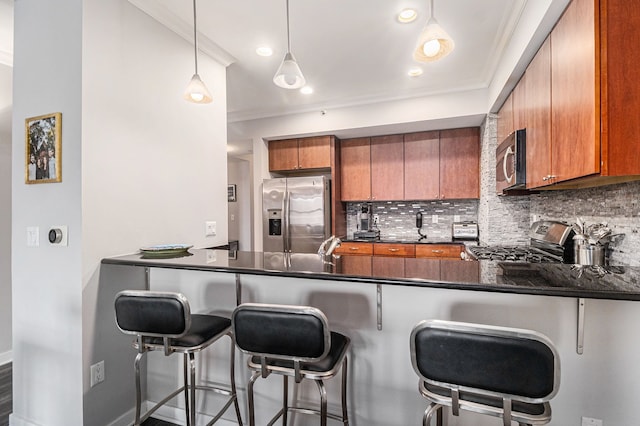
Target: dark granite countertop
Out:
[550,279]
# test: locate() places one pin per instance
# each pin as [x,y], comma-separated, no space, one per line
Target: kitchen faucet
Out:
[333,243]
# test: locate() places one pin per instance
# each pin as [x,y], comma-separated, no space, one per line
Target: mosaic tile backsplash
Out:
[397,219]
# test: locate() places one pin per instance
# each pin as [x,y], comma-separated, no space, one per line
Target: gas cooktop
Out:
[551,242]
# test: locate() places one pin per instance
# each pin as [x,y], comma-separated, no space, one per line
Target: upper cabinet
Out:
[416,166]
[582,99]
[355,158]
[300,154]
[460,163]
[387,165]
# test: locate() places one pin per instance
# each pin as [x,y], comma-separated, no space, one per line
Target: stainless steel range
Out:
[550,242]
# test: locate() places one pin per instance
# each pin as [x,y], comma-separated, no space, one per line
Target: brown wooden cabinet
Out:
[387,168]
[442,165]
[355,248]
[538,112]
[355,157]
[505,119]
[387,266]
[445,270]
[422,165]
[460,163]
[451,251]
[391,249]
[583,99]
[355,265]
[300,154]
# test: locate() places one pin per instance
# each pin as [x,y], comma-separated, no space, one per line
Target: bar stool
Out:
[498,371]
[163,321]
[291,341]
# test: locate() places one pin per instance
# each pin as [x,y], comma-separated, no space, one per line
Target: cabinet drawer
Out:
[402,250]
[355,248]
[439,250]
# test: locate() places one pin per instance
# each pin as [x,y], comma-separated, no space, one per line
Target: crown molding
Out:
[184,29]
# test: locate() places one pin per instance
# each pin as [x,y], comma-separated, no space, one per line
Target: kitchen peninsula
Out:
[378,314]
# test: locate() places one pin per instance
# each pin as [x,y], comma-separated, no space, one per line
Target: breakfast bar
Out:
[378,313]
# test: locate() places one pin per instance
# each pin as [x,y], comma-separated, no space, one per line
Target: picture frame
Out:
[231,193]
[43,148]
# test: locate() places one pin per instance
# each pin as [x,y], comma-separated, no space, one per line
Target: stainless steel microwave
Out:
[511,171]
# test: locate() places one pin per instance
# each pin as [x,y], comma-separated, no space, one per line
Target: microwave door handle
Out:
[504,164]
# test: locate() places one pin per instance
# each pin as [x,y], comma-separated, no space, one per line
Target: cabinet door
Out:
[505,119]
[283,155]
[355,265]
[387,249]
[538,110]
[350,248]
[460,163]
[314,153]
[519,104]
[460,271]
[422,166]
[387,165]
[388,267]
[575,131]
[355,167]
[426,269]
[439,250]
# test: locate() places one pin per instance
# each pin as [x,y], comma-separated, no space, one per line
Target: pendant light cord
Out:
[431,9]
[195,36]
[288,36]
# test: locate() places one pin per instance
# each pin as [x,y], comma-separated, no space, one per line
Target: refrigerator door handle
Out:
[285,220]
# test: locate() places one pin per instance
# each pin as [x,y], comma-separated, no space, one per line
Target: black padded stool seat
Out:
[163,321]
[291,341]
[504,372]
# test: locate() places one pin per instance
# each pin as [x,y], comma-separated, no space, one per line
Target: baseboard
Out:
[6,357]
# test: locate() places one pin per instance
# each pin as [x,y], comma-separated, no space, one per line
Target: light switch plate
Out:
[210,229]
[434,218]
[33,236]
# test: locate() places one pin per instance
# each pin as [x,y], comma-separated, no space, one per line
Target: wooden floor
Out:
[6,403]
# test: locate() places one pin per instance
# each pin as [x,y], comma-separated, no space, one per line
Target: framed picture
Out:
[231,193]
[43,148]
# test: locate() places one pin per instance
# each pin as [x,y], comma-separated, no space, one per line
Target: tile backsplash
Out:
[397,219]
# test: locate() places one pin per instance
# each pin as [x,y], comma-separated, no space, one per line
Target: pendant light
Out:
[289,75]
[196,91]
[434,43]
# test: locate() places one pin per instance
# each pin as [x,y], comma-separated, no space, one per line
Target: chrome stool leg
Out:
[285,399]
[252,414]
[428,414]
[136,368]
[232,368]
[323,402]
[345,414]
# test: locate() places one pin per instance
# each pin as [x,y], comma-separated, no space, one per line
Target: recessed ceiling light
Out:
[307,90]
[407,15]
[264,51]
[414,72]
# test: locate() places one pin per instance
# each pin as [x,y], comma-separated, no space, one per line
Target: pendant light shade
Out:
[196,91]
[434,43]
[289,75]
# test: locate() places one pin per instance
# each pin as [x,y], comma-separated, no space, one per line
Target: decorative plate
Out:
[166,249]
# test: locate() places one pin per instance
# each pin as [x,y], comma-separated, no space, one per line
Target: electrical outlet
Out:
[97,373]
[376,219]
[588,421]
[33,236]
[456,218]
[210,229]
[434,218]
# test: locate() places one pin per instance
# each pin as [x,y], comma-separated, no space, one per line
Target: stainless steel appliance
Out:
[511,154]
[464,231]
[367,229]
[550,242]
[296,214]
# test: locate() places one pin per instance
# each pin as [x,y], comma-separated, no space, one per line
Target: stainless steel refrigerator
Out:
[296,214]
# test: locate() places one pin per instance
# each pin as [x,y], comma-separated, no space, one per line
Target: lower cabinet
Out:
[387,266]
[452,251]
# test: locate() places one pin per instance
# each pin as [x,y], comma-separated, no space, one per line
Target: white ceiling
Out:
[351,52]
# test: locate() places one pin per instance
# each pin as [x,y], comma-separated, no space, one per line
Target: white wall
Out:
[140,166]
[153,170]
[6,74]
[46,281]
